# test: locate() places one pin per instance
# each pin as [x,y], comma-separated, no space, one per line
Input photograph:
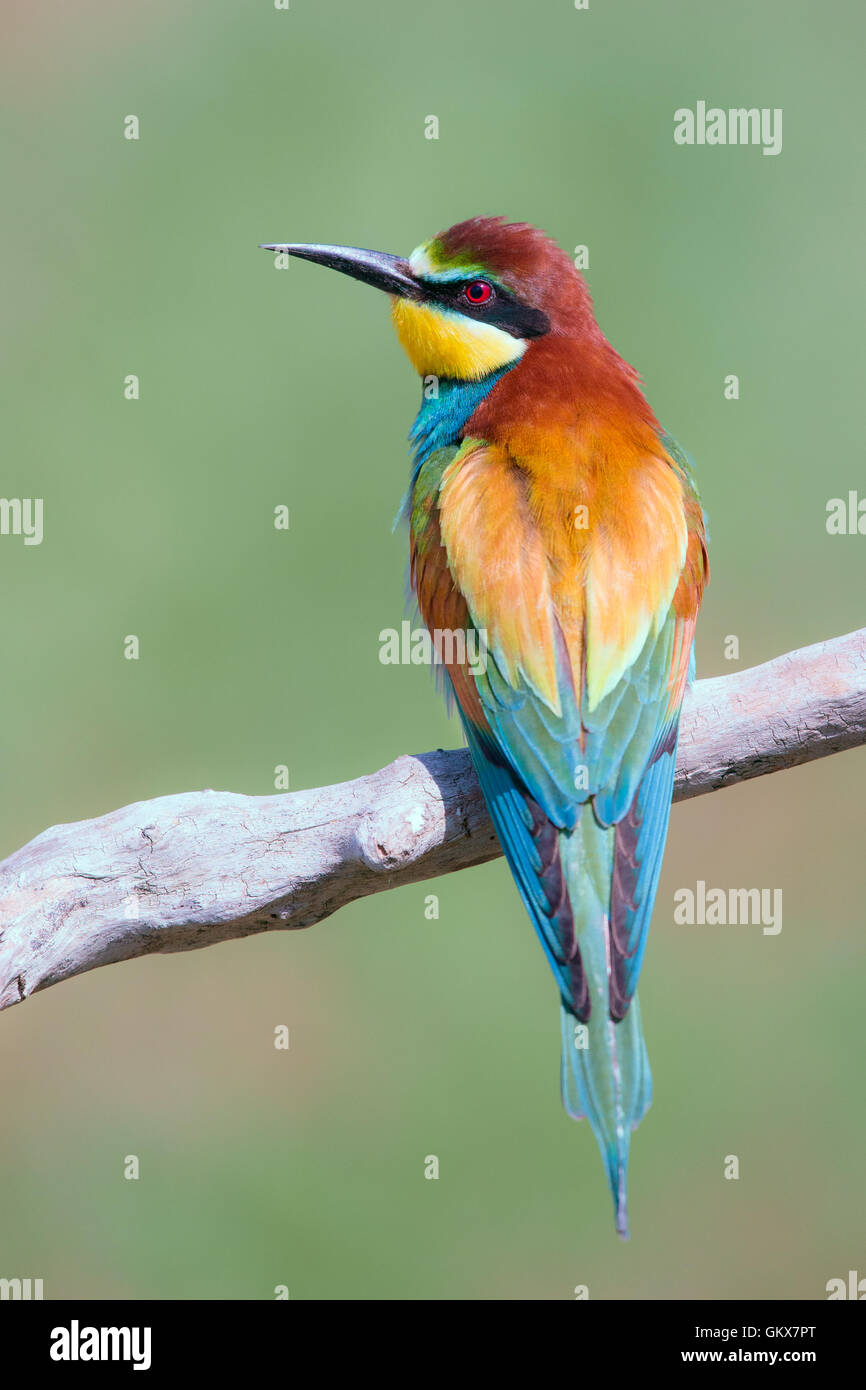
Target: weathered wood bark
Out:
[190,870]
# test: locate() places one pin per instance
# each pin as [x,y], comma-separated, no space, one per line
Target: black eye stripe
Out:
[503,310]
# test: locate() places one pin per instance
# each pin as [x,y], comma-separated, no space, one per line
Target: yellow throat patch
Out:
[440,343]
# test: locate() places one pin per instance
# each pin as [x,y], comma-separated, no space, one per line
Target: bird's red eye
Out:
[478,292]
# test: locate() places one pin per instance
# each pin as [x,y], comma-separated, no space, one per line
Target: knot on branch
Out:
[392,837]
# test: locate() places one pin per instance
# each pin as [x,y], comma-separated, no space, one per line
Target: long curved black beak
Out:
[378,268]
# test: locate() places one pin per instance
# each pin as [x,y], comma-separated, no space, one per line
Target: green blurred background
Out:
[411,1037]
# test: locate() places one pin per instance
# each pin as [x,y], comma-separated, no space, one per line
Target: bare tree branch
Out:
[190,870]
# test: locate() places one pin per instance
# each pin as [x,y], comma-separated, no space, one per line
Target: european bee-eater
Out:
[550,512]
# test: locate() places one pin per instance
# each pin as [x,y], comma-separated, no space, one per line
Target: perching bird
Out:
[550,512]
